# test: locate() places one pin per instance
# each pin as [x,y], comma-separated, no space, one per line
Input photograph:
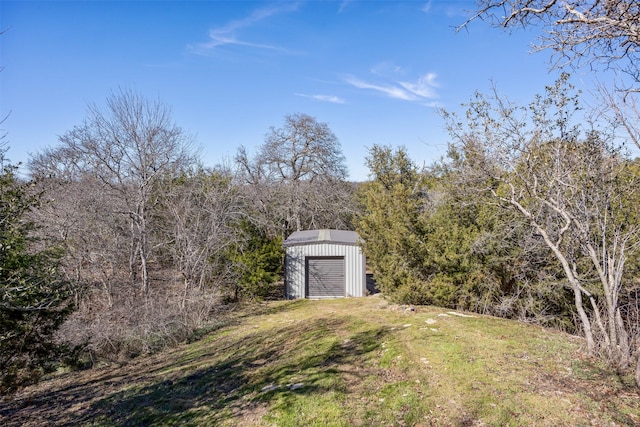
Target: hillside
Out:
[344,362]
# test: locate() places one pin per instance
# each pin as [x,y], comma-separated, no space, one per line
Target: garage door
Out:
[325,277]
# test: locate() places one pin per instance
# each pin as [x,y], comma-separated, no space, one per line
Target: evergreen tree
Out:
[34,297]
[257,261]
[391,203]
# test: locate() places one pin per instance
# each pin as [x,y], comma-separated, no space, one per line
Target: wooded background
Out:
[121,242]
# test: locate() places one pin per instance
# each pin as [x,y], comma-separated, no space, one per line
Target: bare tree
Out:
[298,175]
[577,193]
[82,218]
[621,109]
[596,33]
[129,146]
[200,209]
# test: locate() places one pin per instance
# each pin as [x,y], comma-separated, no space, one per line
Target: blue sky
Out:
[375,71]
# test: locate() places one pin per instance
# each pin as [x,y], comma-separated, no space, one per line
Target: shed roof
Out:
[307,237]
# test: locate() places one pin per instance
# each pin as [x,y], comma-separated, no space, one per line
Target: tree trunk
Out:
[584,319]
[638,369]
[144,271]
[623,338]
[142,236]
[133,255]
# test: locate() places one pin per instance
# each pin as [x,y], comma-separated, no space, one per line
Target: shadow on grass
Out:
[279,307]
[256,371]
[234,314]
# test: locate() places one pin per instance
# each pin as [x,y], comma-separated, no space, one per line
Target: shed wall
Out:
[355,275]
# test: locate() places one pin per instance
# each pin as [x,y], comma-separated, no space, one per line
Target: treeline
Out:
[143,246]
[533,215]
[122,243]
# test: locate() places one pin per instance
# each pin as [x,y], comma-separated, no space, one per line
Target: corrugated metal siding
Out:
[295,267]
[325,277]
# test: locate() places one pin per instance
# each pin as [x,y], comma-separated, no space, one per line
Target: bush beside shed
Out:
[324,264]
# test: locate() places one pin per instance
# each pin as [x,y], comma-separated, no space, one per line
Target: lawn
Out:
[346,362]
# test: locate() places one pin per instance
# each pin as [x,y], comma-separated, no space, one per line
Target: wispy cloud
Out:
[343,5]
[414,91]
[391,91]
[325,98]
[427,6]
[229,34]
[387,68]
[424,87]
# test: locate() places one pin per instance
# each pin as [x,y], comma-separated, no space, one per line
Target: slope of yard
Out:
[348,362]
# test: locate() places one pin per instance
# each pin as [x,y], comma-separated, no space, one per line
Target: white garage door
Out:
[325,277]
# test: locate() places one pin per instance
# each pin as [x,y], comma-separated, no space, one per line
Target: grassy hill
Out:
[348,362]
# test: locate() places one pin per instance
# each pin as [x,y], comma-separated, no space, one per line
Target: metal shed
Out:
[324,264]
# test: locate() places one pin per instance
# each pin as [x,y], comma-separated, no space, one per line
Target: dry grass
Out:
[344,362]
